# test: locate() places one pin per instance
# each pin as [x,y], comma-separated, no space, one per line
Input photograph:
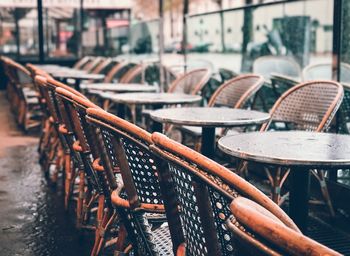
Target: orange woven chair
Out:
[268,235]
[24,98]
[141,197]
[204,191]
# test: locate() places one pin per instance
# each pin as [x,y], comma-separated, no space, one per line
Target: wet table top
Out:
[153,98]
[209,117]
[293,148]
[76,74]
[118,87]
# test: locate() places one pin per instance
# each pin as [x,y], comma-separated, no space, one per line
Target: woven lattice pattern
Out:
[107,139]
[191,222]
[150,242]
[220,205]
[144,172]
[305,107]
[232,93]
[190,82]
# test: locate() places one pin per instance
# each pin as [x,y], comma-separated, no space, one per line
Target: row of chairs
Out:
[154,196]
[234,93]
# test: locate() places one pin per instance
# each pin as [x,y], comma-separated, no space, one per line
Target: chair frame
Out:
[123,130]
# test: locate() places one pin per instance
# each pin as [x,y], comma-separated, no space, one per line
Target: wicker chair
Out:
[235,93]
[82,62]
[276,64]
[98,187]
[226,74]
[204,192]
[92,64]
[189,83]
[117,72]
[126,146]
[269,233]
[147,73]
[309,106]
[324,71]
[266,66]
[24,98]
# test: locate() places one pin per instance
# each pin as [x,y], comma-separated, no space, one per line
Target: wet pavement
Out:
[32,216]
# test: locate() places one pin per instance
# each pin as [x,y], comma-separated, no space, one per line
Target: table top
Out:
[76,75]
[289,148]
[119,87]
[153,98]
[209,116]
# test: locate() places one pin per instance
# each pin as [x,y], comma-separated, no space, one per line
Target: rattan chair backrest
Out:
[191,82]
[324,71]
[82,62]
[236,92]
[148,73]
[118,71]
[284,65]
[309,106]
[205,190]
[101,65]
[262,224]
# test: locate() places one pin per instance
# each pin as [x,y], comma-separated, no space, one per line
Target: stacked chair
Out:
[145,194]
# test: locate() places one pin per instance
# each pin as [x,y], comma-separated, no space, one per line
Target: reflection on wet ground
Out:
[32,216]
[33,220]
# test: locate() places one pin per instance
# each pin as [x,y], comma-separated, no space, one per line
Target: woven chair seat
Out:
[32,101]
[162,240]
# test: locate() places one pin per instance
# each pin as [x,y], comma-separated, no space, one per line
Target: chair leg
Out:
[320,176]
[277,177]
[69,179]
[80,201]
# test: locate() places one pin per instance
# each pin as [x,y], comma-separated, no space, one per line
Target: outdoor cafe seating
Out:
[139,192]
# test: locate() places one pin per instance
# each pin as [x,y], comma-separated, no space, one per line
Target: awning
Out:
[88,4]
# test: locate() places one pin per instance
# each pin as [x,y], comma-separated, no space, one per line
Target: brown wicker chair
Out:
[205,190]
[98,189]
[24,98]
[309,106]
[82,62]
[92,64]
[189,83]
[126,146]
[234,93]
[270,235]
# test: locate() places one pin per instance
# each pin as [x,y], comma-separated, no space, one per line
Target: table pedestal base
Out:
[299,196]
[208,142]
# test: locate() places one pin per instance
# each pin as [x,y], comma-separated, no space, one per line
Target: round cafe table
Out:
[77,75]
[300,151]
[99,88]
[154,100]
[209,118]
